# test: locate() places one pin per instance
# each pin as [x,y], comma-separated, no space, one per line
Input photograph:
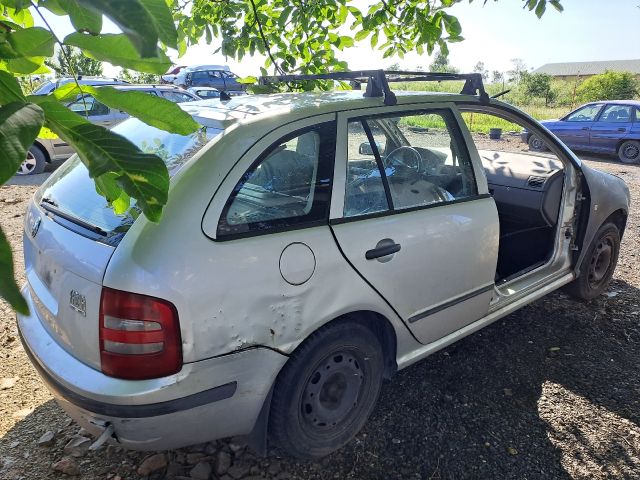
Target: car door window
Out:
[407,161]
[289,185]
[88,106]
[584,114]
[616,114]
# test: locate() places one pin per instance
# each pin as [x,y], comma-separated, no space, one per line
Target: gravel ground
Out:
[552,391]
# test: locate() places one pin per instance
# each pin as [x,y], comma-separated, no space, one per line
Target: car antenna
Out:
[500,94]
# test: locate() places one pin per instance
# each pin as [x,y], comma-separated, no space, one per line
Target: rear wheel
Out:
[629,151]
[34,163]
[598,265]
[536,143]
[327,390]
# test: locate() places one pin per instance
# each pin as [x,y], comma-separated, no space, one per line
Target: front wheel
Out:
[598,264]
[326,391]
[629,151]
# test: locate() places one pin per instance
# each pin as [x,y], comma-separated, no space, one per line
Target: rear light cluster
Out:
[139,336]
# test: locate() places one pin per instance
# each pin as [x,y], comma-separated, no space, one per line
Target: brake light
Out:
[139,336]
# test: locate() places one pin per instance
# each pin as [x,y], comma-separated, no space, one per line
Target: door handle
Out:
[622,129]
[383,248]
[585,128]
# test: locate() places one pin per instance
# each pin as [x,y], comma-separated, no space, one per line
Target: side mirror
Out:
[365,148]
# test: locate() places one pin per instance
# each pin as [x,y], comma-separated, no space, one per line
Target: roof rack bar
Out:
[378,81]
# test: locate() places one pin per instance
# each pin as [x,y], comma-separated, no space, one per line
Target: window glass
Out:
[585,114]
[289,185]
[199,76]
[92,106]
[418,155]
[616,114]
[176,97]
[365,192]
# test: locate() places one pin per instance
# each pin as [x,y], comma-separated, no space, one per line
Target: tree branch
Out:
[264,39]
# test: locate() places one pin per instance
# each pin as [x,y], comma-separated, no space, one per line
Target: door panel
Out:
[574,130]
[447,258]
[412,216]
[614,124]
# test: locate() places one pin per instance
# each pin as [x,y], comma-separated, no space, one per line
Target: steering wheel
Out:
[398,157]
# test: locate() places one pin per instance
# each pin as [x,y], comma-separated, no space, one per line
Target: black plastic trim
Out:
[385,213]
[451,303]
[212,395]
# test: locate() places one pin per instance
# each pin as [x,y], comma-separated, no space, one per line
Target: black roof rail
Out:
[378,81]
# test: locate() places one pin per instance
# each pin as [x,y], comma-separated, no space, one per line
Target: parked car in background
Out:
[601,127]
[215,76]
[49,86]
[313,244]
[46,150]
[171,75]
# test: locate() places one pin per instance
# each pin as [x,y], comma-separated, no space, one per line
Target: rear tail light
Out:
[139,336]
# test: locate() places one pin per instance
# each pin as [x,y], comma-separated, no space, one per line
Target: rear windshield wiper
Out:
[51,206]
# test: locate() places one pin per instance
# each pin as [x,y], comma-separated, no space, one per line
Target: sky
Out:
[495,33]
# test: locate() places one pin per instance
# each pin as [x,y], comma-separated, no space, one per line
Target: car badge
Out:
[35,226]
[78,302]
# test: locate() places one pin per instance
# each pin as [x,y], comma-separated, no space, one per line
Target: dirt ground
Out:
[551,391]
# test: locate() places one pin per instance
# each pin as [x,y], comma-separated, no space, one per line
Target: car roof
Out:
[310,103]
[617,102]
[149,87]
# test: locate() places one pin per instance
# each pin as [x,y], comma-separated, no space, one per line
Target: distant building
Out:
[572,70]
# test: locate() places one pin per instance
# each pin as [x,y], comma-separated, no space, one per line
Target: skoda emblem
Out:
[35,226]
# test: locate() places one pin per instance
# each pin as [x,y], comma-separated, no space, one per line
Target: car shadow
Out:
[549,392]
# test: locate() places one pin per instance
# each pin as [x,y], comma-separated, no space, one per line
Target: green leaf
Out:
[143,176]
[8,287]
[27,65]
[32,42]
[107,186]
[83,19]
[151,109]
[118,50]
[134,20]
[163,21]
[10,90]
[19,126]
[247,80]
[540,9]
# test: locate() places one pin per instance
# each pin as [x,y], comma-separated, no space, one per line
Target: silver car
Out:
[313,245]
[51,148]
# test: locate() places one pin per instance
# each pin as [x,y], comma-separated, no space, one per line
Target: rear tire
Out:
[326,391]
[629,152]
[536,144]
[598,265]
[34,163]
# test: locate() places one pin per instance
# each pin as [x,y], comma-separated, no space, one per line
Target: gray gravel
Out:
[552,391]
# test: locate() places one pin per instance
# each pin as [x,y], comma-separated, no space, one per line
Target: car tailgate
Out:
[64,274]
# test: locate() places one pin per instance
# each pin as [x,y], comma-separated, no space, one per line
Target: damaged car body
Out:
[313,244]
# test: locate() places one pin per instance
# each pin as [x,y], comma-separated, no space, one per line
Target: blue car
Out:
[601,127]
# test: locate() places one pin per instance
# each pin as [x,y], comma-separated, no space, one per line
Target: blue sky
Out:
[494,33]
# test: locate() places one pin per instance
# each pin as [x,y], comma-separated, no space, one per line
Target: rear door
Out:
[575,129]
[613,124]
[412,214]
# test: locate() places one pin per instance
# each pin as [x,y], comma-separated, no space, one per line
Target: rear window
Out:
[72,194]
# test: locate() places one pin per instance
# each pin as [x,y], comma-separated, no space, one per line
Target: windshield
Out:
[72,193]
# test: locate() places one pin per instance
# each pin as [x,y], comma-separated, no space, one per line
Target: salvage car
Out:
[313,244]
[611,127]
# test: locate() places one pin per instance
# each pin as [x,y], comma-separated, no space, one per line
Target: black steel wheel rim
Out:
[601,261]
[536,143]
[631,151]
[332,391]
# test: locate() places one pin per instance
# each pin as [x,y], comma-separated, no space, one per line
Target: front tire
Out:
[536,144]
[629,152]
[598,265]
[34,163]
[326,391]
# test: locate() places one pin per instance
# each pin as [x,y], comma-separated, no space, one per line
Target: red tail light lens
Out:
[139,336]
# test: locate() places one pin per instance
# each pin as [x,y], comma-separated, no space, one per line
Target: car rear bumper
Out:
[206,400]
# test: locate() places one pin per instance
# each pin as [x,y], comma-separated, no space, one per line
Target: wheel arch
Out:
[44,151]
[619,219]
[379,325]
